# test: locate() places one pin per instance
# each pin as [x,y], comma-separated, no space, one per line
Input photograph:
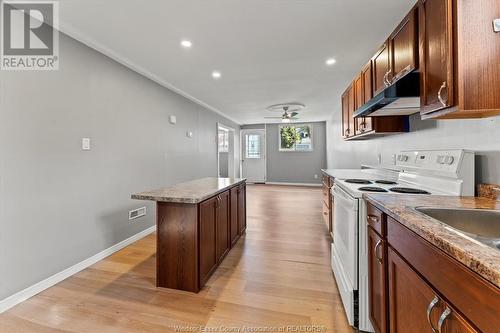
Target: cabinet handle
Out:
[379,259]
[440,97]
[387,82]
[431,307]
[446,313]
[373,218]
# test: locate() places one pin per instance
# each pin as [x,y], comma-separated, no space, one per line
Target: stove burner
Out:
[372,189]
[358,181]
[408,190]
[386,182]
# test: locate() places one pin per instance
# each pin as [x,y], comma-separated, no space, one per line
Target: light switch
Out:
[172,119]
[496,25]
[85,143]
[189,134]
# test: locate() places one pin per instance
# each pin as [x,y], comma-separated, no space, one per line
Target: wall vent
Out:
[136,213]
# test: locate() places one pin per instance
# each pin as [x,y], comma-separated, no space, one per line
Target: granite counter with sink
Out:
[480,258]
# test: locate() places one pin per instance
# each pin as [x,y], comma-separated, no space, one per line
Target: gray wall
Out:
[59,204]
[480,135]
[294,167]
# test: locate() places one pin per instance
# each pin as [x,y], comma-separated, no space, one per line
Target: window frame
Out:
[259,145]
[285,150]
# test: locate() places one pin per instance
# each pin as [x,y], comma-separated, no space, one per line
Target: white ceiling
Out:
[268,51]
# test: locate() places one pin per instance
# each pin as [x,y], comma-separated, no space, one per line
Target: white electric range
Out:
[423,172]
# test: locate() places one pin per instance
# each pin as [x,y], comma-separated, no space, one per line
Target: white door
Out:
[253,152]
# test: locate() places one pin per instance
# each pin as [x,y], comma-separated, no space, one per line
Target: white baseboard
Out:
[31,291]
[293,184]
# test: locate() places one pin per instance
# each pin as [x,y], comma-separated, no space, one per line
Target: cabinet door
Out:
[377,277]
[352,106]
[222,225]
[436,55]
[366,76]
[413,305]
[242,211]
[403,47]
[233,227]
[359,97]
[208,257]
[380,63]
[345,113]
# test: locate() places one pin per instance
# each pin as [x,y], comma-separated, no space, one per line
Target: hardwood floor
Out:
[277,275]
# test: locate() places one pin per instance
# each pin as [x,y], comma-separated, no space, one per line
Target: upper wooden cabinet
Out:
[365,124]
[436,55]
[453,45]
[380,69]
[459,58]
[348,128]
[403,48]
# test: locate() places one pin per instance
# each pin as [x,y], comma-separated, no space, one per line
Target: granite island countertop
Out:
[191,192]
[480,258]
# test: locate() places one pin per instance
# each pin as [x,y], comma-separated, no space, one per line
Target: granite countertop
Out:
[191,192]
[480,258]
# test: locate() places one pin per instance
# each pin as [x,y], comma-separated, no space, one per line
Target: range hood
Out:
[399,99]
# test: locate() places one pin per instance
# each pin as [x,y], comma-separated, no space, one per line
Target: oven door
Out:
[345,234]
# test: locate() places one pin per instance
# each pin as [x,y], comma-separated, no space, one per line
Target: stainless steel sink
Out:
[480,224]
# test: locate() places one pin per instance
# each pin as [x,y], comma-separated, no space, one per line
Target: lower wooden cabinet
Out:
[415,307]
[193,239]
[242,210]
[233,224]
[222,214]
[377,281]
[208,238]
[327,203]
[415,287]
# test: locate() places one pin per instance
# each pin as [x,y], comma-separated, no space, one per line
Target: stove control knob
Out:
[440,159]
[449,160]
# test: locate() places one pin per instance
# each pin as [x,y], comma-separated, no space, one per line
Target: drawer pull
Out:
[446,313]
[431,307]
[377,246]
[373,218]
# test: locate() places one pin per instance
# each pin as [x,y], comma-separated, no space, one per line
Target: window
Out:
[295,137]
[252,145]
[223,141]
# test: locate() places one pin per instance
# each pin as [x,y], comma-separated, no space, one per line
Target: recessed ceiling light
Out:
[330,61]
[186,43]
[216,74]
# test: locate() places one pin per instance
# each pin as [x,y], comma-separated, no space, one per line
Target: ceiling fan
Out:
[289,111]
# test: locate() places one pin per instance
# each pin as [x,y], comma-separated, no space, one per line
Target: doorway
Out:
[225,151]
[253,155]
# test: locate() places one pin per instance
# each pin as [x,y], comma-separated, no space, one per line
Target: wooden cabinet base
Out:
[192,239]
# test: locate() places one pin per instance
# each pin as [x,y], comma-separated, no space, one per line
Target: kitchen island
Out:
[197,223]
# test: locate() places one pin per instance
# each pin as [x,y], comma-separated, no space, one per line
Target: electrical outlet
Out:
[136,213]
[172,119]
[315,176]
[189,134]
